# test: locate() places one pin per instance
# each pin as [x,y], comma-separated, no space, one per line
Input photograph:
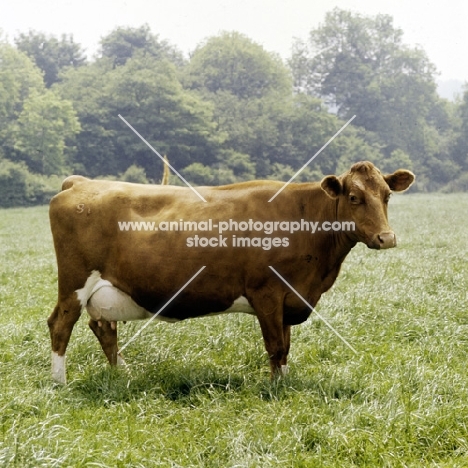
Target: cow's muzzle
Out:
[384,240]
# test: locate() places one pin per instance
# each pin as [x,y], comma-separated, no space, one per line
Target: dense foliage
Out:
[230,112]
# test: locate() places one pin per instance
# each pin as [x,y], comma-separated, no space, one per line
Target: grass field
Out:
[198,394]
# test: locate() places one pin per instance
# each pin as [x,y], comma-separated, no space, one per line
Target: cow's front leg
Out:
[287,344]
[269,310]
[106,333]
[279,353]
[274,345]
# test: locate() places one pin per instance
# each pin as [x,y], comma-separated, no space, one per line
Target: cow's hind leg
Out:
[61,323]
[106,333]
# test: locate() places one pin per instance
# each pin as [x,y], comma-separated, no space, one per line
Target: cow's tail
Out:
[166,173]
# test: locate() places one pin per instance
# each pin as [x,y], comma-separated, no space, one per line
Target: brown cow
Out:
[120,274]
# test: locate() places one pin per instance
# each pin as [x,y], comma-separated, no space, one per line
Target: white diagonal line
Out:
[313,310]
[162,308]
[311,159]
[165,162]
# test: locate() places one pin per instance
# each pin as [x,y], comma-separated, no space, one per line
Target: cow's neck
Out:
[331,247]
[320,207]
[342,241]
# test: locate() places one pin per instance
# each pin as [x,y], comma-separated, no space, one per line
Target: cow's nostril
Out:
[387,240]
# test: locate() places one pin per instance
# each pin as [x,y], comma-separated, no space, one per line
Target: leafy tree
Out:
[134,174]
[282,172]
[42,130]
[232,62]
[249,88]
[461,146]
[230,167]
[124,42]
[147,93]
[14,187]
[18,78]
[18,187]
[50,54]
[88,89]
[359,65]
[240,164]
[254,105]
[199,174]
[397,160]
[354,61]
[311,127]
[256,127]
[36,125]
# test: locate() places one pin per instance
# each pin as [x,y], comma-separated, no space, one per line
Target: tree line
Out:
[230,112]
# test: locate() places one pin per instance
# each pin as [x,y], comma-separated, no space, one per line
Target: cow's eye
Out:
[387,198]
[354,199]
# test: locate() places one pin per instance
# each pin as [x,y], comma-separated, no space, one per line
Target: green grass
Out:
[197,394]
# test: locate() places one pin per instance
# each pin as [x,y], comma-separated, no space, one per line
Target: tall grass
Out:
[197,394]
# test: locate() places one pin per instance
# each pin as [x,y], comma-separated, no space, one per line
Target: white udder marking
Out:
[103,301]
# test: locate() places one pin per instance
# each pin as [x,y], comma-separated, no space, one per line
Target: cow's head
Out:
[362,194]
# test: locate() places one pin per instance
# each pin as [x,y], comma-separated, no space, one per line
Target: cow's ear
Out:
[400,180]
[332,186]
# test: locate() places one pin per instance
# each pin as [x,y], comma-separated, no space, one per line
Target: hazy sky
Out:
[439,27]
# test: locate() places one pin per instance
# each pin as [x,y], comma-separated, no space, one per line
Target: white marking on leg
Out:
[59,368]
[121,361]
[284,369]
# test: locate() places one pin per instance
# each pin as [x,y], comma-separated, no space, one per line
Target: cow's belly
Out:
[103,301]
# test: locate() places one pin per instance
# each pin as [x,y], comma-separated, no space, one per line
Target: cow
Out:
[123,274]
